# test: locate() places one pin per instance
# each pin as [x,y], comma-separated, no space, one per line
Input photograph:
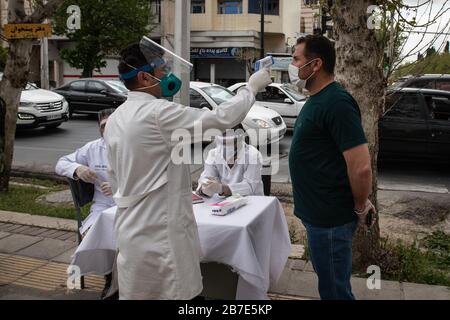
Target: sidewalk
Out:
[35,252]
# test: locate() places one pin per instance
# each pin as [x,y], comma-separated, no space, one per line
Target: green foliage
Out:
[3,57]
[107,26]
[439,244]
[433,63]
[23,199]
[427,264]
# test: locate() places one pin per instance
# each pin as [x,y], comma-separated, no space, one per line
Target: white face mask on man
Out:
[294,75]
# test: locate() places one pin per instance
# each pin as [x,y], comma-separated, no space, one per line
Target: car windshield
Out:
[31,86]
[218,94]
[294,94]
[118,85]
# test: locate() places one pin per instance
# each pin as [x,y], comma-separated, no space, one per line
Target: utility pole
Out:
[183,46]
[44,61]
[262,3]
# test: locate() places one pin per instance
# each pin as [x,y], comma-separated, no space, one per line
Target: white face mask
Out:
[293,76]
[295,79]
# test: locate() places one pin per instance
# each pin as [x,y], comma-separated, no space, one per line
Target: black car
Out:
[416,126]
[426,81]
[90,96]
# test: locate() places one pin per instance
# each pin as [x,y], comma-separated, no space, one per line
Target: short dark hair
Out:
[317,46]
[131,56]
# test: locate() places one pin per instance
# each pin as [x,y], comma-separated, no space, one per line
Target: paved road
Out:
[42,147]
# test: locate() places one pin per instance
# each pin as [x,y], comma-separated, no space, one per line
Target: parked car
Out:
[89,96]
[280,98]
[428,81]
[416,126]
[41,108]
[207,95]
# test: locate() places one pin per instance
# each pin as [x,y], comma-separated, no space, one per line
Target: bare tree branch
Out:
[44,11]
[16,11]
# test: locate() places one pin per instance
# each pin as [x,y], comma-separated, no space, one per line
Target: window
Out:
[302,25]
[271,7]
[95,87]
[218,94]
[155,7]
[118,86]
[198,6]
[423,83]
[197,100]
[229,6]
[407,107]
[439,107]
[443,85]
[310,2]
[273,94]
[77,86]
[294,94]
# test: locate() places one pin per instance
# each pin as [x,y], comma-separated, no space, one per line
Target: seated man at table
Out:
[232,167]
[89,163]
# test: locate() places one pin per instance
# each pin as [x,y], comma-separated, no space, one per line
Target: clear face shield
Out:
[230,144]
[171,64]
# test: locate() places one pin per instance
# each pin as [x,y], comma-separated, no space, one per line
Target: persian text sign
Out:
[27,31]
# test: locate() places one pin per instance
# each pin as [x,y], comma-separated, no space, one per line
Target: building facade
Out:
[225,35]
[225,39]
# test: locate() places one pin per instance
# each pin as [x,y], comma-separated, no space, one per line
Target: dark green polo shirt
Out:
[328,124]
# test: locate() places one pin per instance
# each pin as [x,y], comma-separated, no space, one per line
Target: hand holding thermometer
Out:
[264,63]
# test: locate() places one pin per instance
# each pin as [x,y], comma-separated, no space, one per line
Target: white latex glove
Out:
[211,186]
[362,215]
[259,81]
[106,189]
[86,174]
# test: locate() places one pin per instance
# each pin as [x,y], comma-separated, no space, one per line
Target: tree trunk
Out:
[87,72]
[358,70]
[14,79]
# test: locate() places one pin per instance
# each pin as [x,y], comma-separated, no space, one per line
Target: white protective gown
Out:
[92,155]
[156,233]
[244,178]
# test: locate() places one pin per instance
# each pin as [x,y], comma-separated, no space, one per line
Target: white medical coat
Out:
[157,237]
[244,178]
[92,155]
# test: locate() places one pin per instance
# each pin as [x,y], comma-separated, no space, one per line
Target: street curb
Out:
[38,221]
[20,173]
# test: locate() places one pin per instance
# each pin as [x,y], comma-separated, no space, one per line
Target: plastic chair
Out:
[82,194]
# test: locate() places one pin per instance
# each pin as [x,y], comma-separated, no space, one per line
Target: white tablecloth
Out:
[253,240]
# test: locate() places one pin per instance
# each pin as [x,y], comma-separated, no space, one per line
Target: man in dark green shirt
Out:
[329,164]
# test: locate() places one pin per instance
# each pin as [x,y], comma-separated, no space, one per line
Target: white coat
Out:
[92,155]
[157,237]
[244,178]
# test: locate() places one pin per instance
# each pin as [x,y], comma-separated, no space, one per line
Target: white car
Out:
[281,98]
[263,126]
[41,108]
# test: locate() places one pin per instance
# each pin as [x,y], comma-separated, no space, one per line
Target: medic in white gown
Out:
[156,233]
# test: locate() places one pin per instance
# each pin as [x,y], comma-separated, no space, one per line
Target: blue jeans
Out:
[331,255]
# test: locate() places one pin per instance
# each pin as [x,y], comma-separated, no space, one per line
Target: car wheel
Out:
[53,126]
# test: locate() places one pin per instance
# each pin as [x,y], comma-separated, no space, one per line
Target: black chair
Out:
[82,194]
